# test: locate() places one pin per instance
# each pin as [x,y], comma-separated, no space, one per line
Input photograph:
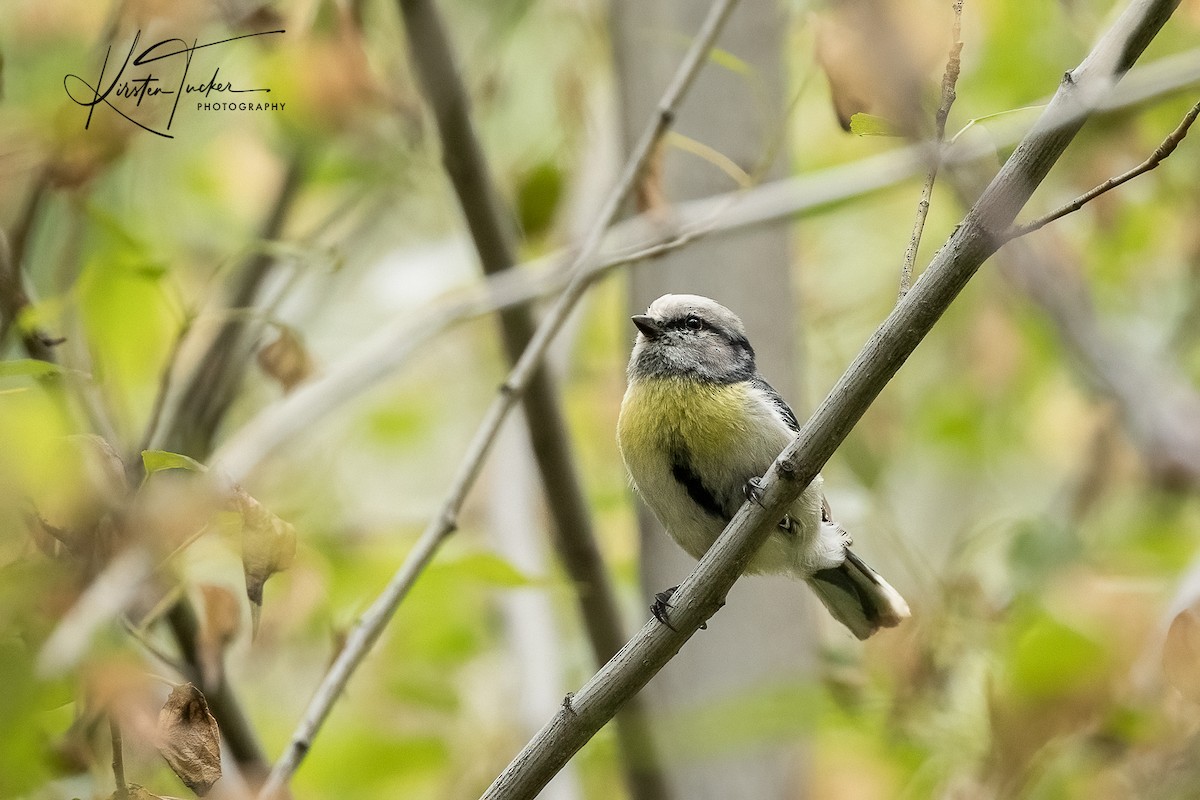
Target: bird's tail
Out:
[858,597]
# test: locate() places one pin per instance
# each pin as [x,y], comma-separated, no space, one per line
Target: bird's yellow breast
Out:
[660,412]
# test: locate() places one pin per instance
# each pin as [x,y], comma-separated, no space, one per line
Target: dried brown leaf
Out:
[286,359]
[878,56]
[268,544]
[222,619]
[649,194]
[188,738]
[1181,653]
[838,55]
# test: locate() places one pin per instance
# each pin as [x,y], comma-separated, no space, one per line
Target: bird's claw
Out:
[662,602]
[753,490]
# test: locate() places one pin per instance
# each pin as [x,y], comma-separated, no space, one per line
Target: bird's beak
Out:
[647,325]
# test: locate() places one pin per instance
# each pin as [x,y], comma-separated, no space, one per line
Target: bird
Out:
[698,427]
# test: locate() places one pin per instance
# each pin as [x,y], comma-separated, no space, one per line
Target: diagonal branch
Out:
[979,235]
[949,82]
[627,242]
[1160,154]
[372,623]
[491,229]
[14,300]
[213,384]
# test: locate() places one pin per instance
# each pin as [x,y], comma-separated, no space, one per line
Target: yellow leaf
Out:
[268,544]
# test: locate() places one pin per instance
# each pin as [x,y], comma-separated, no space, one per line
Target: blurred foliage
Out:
[1048,571]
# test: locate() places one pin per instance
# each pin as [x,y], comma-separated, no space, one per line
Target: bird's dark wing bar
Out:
[780,404]
[689,479]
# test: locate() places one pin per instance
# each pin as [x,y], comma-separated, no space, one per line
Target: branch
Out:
[1163,151]
[702,594]
[118,758]
[490,225]
[444,523]
[949,81]
[1159,410]
[189,429]
[213,384]
[630,241]
[13,302]
[235,726]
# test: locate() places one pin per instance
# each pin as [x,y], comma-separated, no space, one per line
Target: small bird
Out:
[699,425]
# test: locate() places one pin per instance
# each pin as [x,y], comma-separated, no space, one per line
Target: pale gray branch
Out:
[490,223]
[979,235]
[372,623]
[1160,154]
[633,240]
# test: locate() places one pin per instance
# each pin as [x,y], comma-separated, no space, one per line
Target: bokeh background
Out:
[1028,480]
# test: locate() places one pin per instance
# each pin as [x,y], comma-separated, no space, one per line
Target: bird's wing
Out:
[789,418]
[780,404]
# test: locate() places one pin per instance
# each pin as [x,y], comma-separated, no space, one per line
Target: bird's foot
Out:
[662,602]
[753,490]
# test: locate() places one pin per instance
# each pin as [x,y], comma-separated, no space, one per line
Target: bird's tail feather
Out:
[858,597]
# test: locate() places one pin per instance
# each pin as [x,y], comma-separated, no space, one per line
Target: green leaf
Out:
[490,569]
[32,367]
[158,460]
[729,61]
[538,196]
[871,125]
[1052,658]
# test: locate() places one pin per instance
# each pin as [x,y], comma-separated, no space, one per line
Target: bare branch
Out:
[14,300]
[445,521]
[189,427]
[949,81]
[772,202]
[1158,409]
[118,758]
[702,594]
[491,229]
[1160,154]
[235,727]
[385,352]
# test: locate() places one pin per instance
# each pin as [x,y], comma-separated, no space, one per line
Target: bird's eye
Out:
[694,324]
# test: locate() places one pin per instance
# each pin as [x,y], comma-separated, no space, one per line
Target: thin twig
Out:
[118,758]
[14,300]
[235,726]
[23,228]
[702,594]
[375,359]
[492,231]
[1163,151]
[140,636]
[949,81]
[380,356]
[189,427]
[377,616]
